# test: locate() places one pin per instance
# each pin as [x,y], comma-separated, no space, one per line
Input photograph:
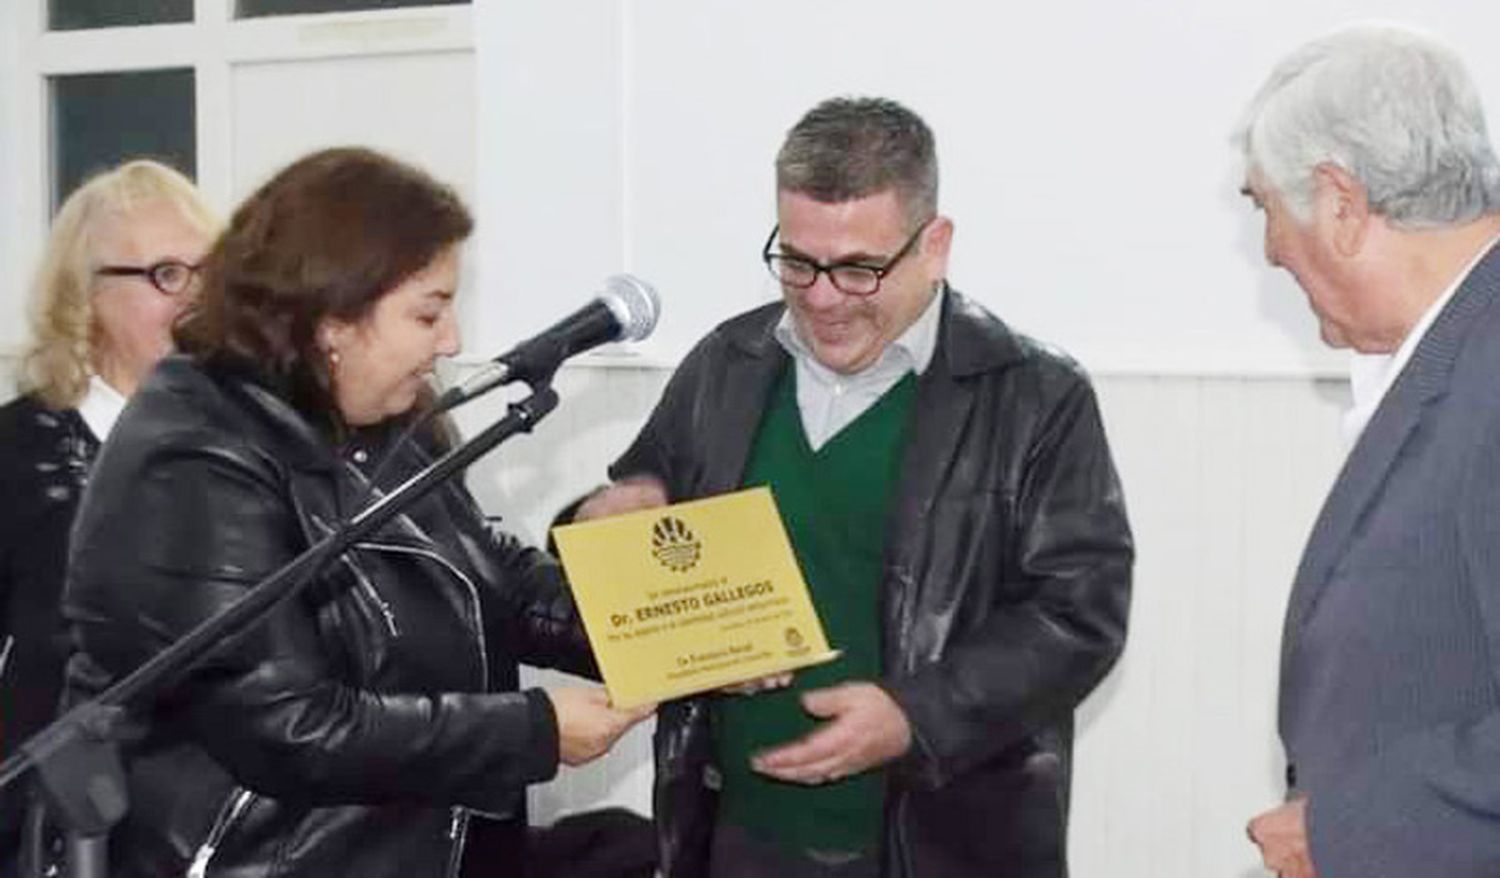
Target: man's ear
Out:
[939,240]
[1343,208]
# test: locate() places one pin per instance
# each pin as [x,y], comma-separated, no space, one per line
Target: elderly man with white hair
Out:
[1368,153]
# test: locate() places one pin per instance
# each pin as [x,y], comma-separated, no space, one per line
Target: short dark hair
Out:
[326,237]
[847,148]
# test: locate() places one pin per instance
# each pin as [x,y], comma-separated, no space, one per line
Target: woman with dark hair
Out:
[352,732]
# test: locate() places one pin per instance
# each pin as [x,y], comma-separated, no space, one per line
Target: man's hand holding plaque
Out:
[627,495]
[863,728]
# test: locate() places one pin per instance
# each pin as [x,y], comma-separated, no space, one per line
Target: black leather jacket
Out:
[349,734]
[1005,594]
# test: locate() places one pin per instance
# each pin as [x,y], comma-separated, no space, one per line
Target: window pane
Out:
[102,119]
[253,8]
[78,14]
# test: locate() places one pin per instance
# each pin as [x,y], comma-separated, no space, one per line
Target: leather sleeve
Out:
[187,532]
[1033,658]
[663,446]
[535,614]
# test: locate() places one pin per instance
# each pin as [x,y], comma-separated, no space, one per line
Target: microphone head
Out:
[634,303]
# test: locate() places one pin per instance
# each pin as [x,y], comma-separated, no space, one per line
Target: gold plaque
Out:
[691,597]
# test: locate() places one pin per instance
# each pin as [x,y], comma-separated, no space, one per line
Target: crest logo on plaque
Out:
[675,545]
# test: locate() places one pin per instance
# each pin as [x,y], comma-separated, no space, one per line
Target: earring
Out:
[333,359]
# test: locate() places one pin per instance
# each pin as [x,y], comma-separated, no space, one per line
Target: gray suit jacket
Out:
[1390,676]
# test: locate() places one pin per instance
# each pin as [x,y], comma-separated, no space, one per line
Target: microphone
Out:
[625,311]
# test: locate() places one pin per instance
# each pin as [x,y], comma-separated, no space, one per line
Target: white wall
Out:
[1085,151]
[13,269]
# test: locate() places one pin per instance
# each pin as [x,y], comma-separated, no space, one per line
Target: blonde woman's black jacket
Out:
[1003,603]
[44,465]
[350,733]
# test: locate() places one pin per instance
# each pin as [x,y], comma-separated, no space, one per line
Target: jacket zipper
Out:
[365,585]
[903,846]
[458,835]
[477,613]
[230,812]
[458,827]
[368,587]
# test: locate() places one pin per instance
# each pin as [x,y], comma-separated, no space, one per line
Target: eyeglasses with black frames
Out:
[170,276]
[852,278]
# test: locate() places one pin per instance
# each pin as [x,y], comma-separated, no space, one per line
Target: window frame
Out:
[213,45]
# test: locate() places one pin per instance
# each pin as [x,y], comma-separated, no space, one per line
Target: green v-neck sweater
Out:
[834,502]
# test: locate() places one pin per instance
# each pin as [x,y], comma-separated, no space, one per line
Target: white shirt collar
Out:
[100,407]
[912,349]
[1371,375]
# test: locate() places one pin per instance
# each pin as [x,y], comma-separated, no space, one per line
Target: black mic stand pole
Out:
[77,757]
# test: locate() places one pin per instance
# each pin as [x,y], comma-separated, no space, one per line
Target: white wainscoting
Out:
[1223,476]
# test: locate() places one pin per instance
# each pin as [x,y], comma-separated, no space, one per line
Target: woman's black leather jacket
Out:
[353,731]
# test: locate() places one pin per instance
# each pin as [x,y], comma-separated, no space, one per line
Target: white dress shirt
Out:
[829,401]
[100,407]
[1371,375]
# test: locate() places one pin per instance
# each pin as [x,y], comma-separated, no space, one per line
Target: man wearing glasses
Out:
[951,499]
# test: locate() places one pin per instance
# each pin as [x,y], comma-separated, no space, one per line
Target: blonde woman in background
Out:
[120,264]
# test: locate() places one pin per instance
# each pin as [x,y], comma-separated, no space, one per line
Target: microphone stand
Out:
[77,757]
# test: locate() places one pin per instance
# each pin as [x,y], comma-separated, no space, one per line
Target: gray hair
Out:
[1391,106]
[847,148]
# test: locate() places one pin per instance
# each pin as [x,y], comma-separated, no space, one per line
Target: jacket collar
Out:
[247,405]
[302,444]
[1423,382]
[971,343]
